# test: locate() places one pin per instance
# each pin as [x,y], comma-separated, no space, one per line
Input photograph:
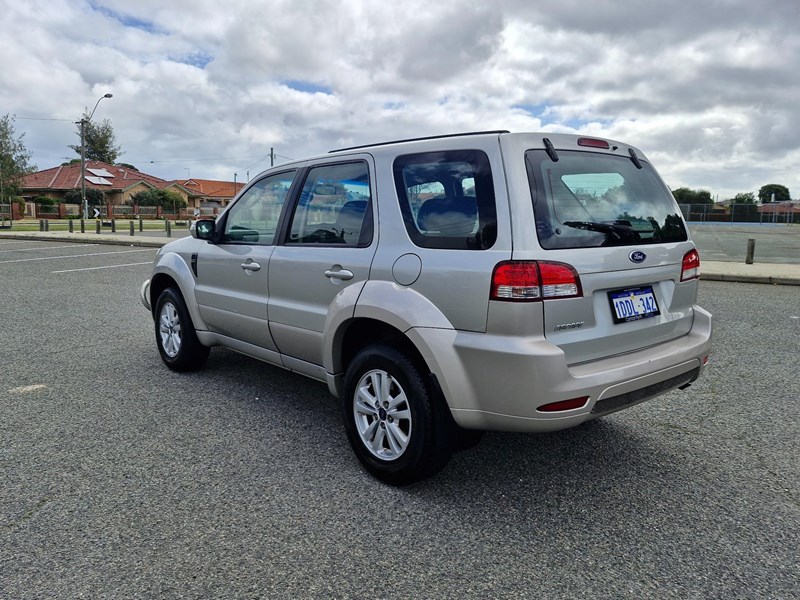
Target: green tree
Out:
[744,198]
[14,159]
[101,142]
[781,193]
[684,195]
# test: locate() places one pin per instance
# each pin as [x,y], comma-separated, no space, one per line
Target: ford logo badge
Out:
[637,256]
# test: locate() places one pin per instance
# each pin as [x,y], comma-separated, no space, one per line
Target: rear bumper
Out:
[498,382]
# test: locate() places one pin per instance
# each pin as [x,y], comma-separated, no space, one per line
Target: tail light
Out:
[530,281]
[691,266]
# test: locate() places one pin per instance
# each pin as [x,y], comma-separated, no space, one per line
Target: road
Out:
[121,479]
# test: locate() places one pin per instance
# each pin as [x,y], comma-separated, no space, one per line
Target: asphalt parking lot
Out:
[121,479]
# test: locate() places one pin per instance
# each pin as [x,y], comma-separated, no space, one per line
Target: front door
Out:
[233,275]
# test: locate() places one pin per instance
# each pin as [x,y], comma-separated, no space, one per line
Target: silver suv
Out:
[446,286]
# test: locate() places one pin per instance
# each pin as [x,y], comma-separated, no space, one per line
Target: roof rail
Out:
[420,139]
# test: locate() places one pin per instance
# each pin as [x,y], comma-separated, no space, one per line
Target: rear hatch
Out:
[607,218]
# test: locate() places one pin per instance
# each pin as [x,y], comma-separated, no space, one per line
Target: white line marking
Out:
[48,248]
[27,388]
[149,262]
[3,262]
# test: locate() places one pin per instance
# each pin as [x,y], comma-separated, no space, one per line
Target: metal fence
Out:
[741,213]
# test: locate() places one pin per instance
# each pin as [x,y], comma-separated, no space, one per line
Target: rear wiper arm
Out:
[618,231]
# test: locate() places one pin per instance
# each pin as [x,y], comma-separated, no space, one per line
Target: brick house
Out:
[119,183]
[210,193]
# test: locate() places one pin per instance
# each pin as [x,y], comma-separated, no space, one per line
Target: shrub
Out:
[93,197]
[45,201]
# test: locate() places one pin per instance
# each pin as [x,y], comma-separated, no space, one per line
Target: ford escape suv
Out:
[446,286]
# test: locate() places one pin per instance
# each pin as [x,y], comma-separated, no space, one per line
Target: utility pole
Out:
[83,123]
[272,157]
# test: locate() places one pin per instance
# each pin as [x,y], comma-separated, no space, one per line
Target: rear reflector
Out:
[593,143]
[690,268]
[564,405]
[530,280]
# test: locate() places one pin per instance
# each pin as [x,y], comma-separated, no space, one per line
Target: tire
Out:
[175,335]
[397,427]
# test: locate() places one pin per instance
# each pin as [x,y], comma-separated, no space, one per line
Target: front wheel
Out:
[395,425]
[175,335]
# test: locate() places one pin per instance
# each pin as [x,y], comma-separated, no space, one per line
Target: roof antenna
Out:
[551,151]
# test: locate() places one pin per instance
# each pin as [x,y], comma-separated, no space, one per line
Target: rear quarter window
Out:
[447,199]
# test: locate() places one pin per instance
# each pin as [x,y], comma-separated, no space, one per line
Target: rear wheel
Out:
[396,426]
[175,334]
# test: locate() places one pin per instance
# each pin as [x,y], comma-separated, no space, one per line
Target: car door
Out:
[233,274]
[328,245]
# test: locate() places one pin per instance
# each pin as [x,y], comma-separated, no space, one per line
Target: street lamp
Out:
[83,123]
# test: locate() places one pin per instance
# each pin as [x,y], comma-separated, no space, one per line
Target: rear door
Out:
[328,245]
[617,225]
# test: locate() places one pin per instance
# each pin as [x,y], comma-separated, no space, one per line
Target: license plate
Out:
[633,304]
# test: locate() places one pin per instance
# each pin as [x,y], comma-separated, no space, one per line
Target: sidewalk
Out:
[769,273]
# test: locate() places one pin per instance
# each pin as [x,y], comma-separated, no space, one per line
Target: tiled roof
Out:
[780,208]
[211,188]
[68,177]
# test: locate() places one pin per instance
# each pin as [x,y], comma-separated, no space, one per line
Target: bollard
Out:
[751,250]
[131,227]
[83,226]
[97,225]
[113,226]
[41,224]
[72,226]
[141,225]
[168,227]
[47,224]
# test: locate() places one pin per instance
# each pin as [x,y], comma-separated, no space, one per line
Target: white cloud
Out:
[708,90]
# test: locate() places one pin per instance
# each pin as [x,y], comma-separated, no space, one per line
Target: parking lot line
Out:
[149,262]
[18,260]
[47,248]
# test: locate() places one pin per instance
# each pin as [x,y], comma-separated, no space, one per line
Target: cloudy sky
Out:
[708,89]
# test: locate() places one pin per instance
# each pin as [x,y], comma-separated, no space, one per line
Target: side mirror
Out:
[203,229]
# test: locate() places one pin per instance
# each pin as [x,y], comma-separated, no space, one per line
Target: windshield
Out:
[589,199]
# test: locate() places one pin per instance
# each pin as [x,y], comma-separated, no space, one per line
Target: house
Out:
[780,212]
[208,194]
[120,183]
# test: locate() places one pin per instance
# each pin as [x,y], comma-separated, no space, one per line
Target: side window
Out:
[447,199]
[334,207]
[254,217]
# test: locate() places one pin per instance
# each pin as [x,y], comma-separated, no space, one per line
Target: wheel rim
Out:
[382,415]
[169,328]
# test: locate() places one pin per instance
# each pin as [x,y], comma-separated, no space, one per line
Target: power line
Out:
[179,160]
[43,119]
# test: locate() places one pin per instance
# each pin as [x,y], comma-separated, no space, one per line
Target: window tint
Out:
[589,199]
[334,207]
[254,217]
[447,199]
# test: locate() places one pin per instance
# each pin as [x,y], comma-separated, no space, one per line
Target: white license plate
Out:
[633,304]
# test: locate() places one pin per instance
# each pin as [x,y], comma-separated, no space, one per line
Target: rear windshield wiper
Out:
[617,231]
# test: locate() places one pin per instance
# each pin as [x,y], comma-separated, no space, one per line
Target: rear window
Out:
[587,199]
[447,199]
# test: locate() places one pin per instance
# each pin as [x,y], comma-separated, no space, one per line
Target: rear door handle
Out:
[250,265]
[342,274]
